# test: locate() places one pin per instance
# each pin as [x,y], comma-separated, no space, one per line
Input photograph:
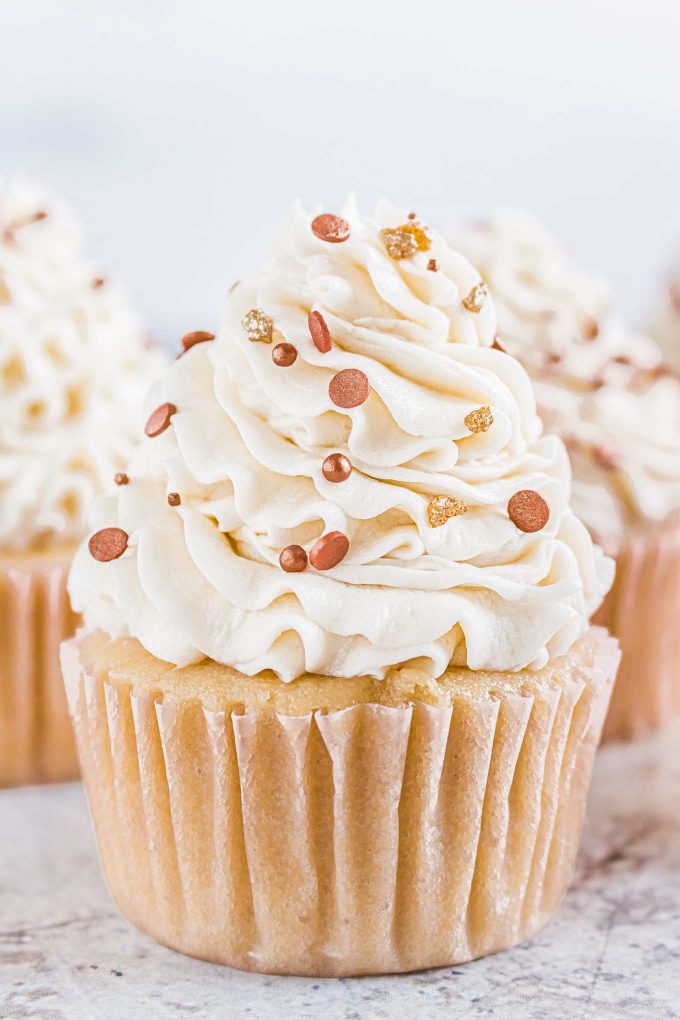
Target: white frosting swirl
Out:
[73,365]
[245,449]
[600,387]
[665,322]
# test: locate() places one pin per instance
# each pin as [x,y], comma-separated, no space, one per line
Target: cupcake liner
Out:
[370,839]
[641,610]
[36,736]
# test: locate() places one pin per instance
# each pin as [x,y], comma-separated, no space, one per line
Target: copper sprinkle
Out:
[284,355]
[121,478]
[480,420]
[475,300]
[433,265]
[174,499]
[528,511]
[498,346]
[258,326]
[336,467]
[293,559]
[331,228]
[196,336]
[329,550]
[349,388]
[108,544]
[159,420]
[442,508]
[591,329]
[321,334]
[98,282]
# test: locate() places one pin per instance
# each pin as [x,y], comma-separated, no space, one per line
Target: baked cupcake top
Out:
[73,369]
[349,476]
[604,389]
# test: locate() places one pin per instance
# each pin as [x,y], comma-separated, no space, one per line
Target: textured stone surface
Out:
[613,951]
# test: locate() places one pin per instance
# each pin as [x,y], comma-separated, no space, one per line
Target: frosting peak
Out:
[72,365]
[344,503]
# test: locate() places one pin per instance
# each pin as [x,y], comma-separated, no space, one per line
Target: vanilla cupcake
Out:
[337,697]
[72,365]
[608,393]
[665,321]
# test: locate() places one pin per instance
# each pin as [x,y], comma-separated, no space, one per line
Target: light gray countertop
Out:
[612,951]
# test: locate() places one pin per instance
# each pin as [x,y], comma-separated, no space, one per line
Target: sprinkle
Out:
[293,559]
[108,544]
[336,467]
[442,508]
[498,346]
[622,359]
[98,282]
[196,336]
[174,499]
[258,326]
[480,420]
[421,232]
[591,329]
[121,478]
[5,296]
[321,334]
[411,215]
[553,358]
[349,388]
[400,243]
[284,355]
[159,420]
[329,550]
[476,299]
[331,228]
[528,510]
[433,265]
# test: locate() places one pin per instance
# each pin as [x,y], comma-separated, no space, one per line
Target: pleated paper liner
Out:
[367,839]
[643,611]
[36,736]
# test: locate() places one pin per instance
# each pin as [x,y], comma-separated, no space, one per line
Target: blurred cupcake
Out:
[665,322]
[72,362]
[337,697]
[608,393]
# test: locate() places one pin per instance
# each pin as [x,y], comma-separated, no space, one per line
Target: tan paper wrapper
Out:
[36,736]
[643,611]
[372,839]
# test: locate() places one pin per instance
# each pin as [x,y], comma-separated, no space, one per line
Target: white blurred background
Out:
[181,131]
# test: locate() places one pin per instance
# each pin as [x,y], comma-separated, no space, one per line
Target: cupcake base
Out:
[36,736]
[641,610]
[336,827]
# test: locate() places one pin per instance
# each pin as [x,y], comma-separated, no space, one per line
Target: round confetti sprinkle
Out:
[329,550]
[349,388]
[293,559]
[159,420]
[321,334]
[98,282]
[174,499]
[433,265]
[528,510]
[284,355]
[121,478]
[197,336]
[328,227]
[336,468]
[108,544]
[480,420]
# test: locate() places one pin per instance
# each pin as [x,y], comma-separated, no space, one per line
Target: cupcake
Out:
[614,401]
[337,695]
[665,321]
[72,364]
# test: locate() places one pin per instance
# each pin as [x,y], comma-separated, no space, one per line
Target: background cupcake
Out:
[73,365]
[614,400]
[337,697]
[665,321]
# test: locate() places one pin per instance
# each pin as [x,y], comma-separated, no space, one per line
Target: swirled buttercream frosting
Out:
[603,388]
[349,477]
[665,319]
[73,368]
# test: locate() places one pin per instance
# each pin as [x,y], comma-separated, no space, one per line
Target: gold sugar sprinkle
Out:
[480,420]
[475,300]
[443,508]
[258,326]
[421,232]
[400,243]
